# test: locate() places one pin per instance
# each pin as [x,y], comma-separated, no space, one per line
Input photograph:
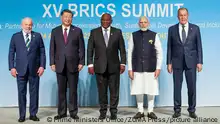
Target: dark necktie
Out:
[183,34]
[27,41]
[65,35]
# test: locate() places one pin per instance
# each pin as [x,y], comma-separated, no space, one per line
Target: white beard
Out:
[144,29]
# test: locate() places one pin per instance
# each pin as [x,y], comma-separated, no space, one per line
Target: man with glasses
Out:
[144,65]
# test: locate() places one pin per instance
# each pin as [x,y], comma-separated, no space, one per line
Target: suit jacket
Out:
[22,59]
[190,50]
[106,56]
[72,53]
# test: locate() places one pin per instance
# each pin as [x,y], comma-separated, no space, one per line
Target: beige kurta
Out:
[145,82]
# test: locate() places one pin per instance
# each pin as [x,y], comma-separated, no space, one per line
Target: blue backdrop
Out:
[162,14]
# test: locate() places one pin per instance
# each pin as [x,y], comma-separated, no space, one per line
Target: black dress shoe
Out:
[60,116]
[102,116]
[113,117]
[151,115]
[192,115]
[138,115]
[74,116]
[34,118]
[21,119]
[176,115]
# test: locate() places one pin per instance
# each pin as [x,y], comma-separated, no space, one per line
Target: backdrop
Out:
[162,14]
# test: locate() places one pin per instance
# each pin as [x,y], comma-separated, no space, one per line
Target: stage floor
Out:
[207,115]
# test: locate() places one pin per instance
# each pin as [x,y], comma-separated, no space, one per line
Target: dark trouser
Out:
[111,80]
[190,75]
[72,79]
[22,91]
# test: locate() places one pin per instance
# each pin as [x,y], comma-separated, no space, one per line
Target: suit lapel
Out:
[22,40]
[70,35]
[110,36]
[102,40]
[60,32]
[189,32]
[178,34]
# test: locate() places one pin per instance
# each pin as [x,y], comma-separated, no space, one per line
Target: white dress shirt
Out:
[25,38]
[68,29]
[186,29]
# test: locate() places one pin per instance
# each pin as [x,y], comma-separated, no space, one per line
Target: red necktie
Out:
[65,35]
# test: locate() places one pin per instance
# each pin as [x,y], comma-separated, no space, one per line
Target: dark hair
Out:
[66,10]
[182,8]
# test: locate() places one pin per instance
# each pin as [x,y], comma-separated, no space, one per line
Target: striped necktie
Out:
[27,42]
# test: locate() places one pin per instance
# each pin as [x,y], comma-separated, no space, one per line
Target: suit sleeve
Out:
[122,48]
[81,48]
[52,48]
[199,47]
[42,53]
[90,49]
[169,45]
[11,55]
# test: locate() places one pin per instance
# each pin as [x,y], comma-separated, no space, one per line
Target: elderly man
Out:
[27,63]
[144,65]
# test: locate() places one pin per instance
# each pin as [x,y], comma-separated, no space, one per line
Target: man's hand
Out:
[131,74]
[80,67]
[40,71]
[157,73]
[199,67]
[169,68]
[53,68]
[14,72]
[122,69]
[91,70]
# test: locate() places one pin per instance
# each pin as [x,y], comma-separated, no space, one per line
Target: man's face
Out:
[27,25]
[143,23]
[66,19]
[183,16]
[106,20]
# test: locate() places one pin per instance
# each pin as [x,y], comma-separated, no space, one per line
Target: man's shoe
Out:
[151,115]
[102,116]
[192,115]
[138,115]
[176,115]
[34,118]
[21,119]
[74,116]
[60,116]
[113,116]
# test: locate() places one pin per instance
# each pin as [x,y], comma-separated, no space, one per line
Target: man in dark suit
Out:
[104,44]
[27,63]
[67,57]
[184,53]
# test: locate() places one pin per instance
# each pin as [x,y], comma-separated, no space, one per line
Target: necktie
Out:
[183,34]
[65,35]
[106,37]
[27,42]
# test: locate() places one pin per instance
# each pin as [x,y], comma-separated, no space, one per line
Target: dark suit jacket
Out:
[72,53]
[20,58]
[106,56]
[191,49]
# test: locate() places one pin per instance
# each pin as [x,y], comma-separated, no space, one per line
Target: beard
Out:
[144,29]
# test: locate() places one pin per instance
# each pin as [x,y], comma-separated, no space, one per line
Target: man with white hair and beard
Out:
[27,62]
[144,65]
